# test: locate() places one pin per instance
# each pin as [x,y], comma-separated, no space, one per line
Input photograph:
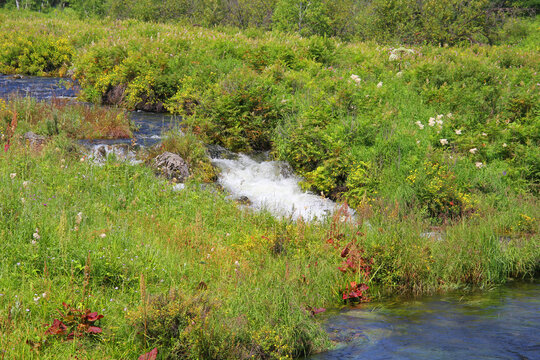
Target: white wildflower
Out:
[504,145]
[484,134]
[379,85]
[103,235]
[393,57]
[25,183]
[440,116]
[458,132]
[36,235]
[449,115]
[78,218]
[473,150]
[431,121]
[399,74]
[439,122]
[236,263]
[479,164]
[12,175]
[356,78]
[418,141]
[444,141]
[420,125]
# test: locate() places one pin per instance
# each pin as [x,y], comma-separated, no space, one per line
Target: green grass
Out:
[214,265]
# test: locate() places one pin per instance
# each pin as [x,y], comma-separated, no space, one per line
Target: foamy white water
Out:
[99,154]
[269,185]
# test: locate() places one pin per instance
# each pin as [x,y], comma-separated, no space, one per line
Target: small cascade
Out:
[271,185]
[121,152]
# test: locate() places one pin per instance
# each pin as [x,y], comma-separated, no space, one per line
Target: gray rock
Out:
[243,200]
[172,166]
[34,139]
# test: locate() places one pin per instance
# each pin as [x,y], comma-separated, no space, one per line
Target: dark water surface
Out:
[150,125]
[503,323]
[41,88]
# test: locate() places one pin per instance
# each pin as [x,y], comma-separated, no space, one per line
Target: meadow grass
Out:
[199,276]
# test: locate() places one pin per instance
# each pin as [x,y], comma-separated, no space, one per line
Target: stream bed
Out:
[503,323]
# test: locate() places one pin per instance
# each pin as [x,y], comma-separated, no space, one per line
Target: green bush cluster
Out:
[37,54]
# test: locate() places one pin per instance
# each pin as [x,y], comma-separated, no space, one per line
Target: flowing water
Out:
[271,185]
[500,324]
[41,88]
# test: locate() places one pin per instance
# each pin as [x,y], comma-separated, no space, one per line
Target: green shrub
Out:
[438,193]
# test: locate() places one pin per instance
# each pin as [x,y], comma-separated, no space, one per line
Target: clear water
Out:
[500,324]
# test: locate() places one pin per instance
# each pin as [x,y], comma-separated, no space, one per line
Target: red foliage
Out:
[355,292]
[57,328]
[315,311]
[74,323]
[149,355]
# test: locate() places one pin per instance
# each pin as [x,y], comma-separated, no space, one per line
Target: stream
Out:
[268,185]
[503,323]
[499,324]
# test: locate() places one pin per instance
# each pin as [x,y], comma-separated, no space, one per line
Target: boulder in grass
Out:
[34,139]
[172,166]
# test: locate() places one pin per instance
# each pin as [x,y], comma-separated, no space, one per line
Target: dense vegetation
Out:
[410,21]
[435,147]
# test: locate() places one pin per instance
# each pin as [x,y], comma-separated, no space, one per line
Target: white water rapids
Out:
[272,186]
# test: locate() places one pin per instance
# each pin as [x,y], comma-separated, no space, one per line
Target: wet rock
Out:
[157,107]
[243,200]
[436,235]
[286,170]
[505,239]
[219,152]
[172,166]
[114,96]
[34,139]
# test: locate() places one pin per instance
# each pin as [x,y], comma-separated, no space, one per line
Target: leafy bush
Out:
[438,193]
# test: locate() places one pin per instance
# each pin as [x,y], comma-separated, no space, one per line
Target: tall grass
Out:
[244,280]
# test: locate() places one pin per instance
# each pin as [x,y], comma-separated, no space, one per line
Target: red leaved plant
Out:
[149,355]
[74,322]
[355,292]
[357,264]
